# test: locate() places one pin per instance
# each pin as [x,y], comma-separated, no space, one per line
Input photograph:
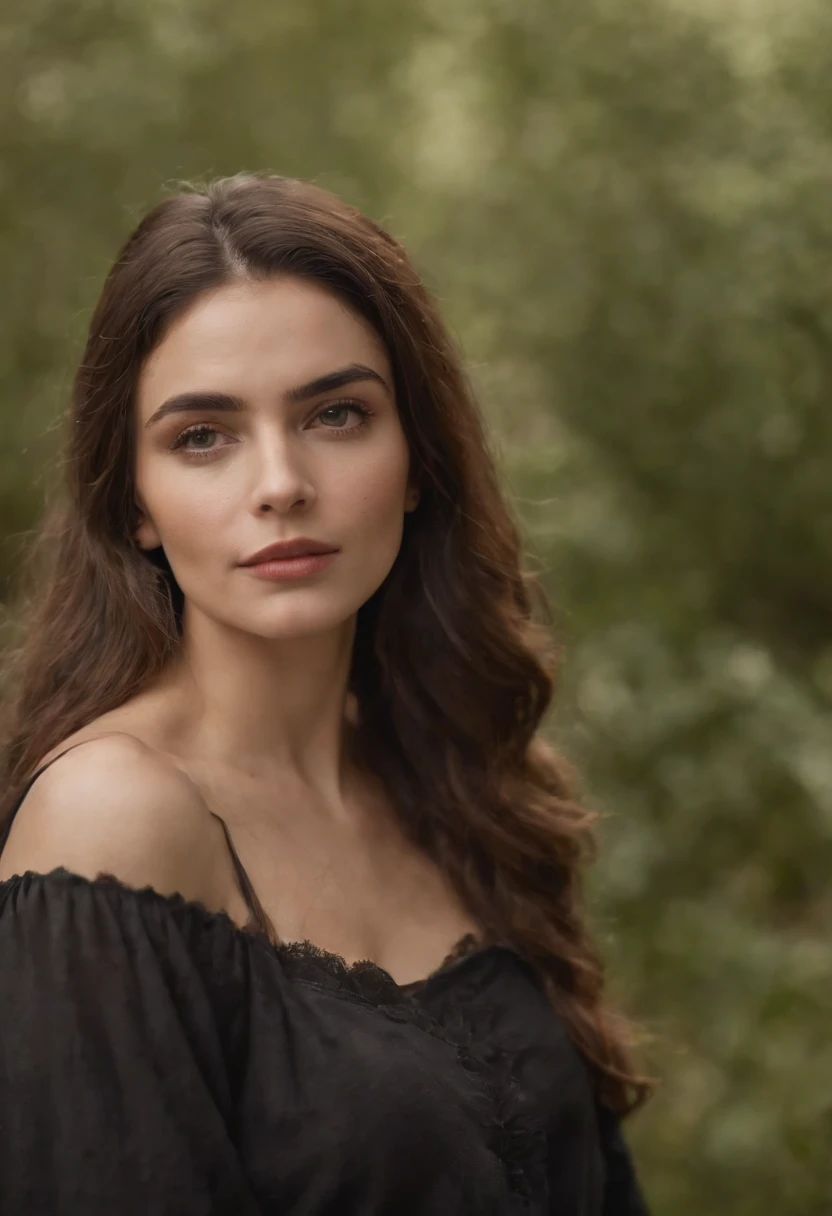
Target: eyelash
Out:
[342,432]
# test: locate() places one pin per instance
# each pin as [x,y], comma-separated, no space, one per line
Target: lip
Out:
[301,546]
[288,568]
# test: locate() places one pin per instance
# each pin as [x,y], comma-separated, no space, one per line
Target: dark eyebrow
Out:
[197,402]
[332,380]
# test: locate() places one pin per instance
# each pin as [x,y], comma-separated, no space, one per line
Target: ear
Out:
[145,534]
[411,498]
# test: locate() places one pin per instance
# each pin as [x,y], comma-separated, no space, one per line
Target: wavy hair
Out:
[452,669]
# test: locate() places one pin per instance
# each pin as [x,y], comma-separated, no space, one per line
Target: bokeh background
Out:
[626,210]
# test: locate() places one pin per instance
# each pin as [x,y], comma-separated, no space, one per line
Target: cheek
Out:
[190,513]
[374,504]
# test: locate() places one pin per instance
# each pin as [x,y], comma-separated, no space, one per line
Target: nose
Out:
[280,481]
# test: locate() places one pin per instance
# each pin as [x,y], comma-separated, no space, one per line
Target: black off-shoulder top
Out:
[157,1060]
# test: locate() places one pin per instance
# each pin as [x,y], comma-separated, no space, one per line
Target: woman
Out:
[276,713]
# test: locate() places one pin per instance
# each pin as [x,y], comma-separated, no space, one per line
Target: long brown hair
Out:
[452,670]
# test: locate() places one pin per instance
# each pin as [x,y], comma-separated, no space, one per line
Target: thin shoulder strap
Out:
[258,917]
[6,827]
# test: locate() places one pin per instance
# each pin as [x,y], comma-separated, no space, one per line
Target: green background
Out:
[626,210]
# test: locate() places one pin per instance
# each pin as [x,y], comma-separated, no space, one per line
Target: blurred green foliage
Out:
[627,212]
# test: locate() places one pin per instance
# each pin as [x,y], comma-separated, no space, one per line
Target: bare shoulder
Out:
[114,805]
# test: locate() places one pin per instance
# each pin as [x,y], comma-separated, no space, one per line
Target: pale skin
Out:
[251,720]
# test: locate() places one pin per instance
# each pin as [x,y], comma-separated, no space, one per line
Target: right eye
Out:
[196,439]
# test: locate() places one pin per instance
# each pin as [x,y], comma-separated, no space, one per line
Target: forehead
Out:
[249,338]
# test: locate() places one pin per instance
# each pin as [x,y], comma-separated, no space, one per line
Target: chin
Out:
[285,623]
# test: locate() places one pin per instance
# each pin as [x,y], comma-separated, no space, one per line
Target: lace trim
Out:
[469,944]
[514,1133]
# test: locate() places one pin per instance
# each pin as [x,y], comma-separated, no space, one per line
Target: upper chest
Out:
[352,883]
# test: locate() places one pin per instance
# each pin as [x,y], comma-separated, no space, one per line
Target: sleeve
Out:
[116,1053]
[622,1194]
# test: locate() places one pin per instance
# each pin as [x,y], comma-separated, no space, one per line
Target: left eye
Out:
[334,415]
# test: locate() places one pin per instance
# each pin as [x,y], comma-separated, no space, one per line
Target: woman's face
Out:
[241,443]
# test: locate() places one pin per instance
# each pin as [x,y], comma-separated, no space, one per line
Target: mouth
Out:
[293,559]
[286,551]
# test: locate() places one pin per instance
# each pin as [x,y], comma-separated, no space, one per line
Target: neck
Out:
[271,708]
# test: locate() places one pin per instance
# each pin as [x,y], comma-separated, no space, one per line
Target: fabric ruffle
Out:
[512,1131]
